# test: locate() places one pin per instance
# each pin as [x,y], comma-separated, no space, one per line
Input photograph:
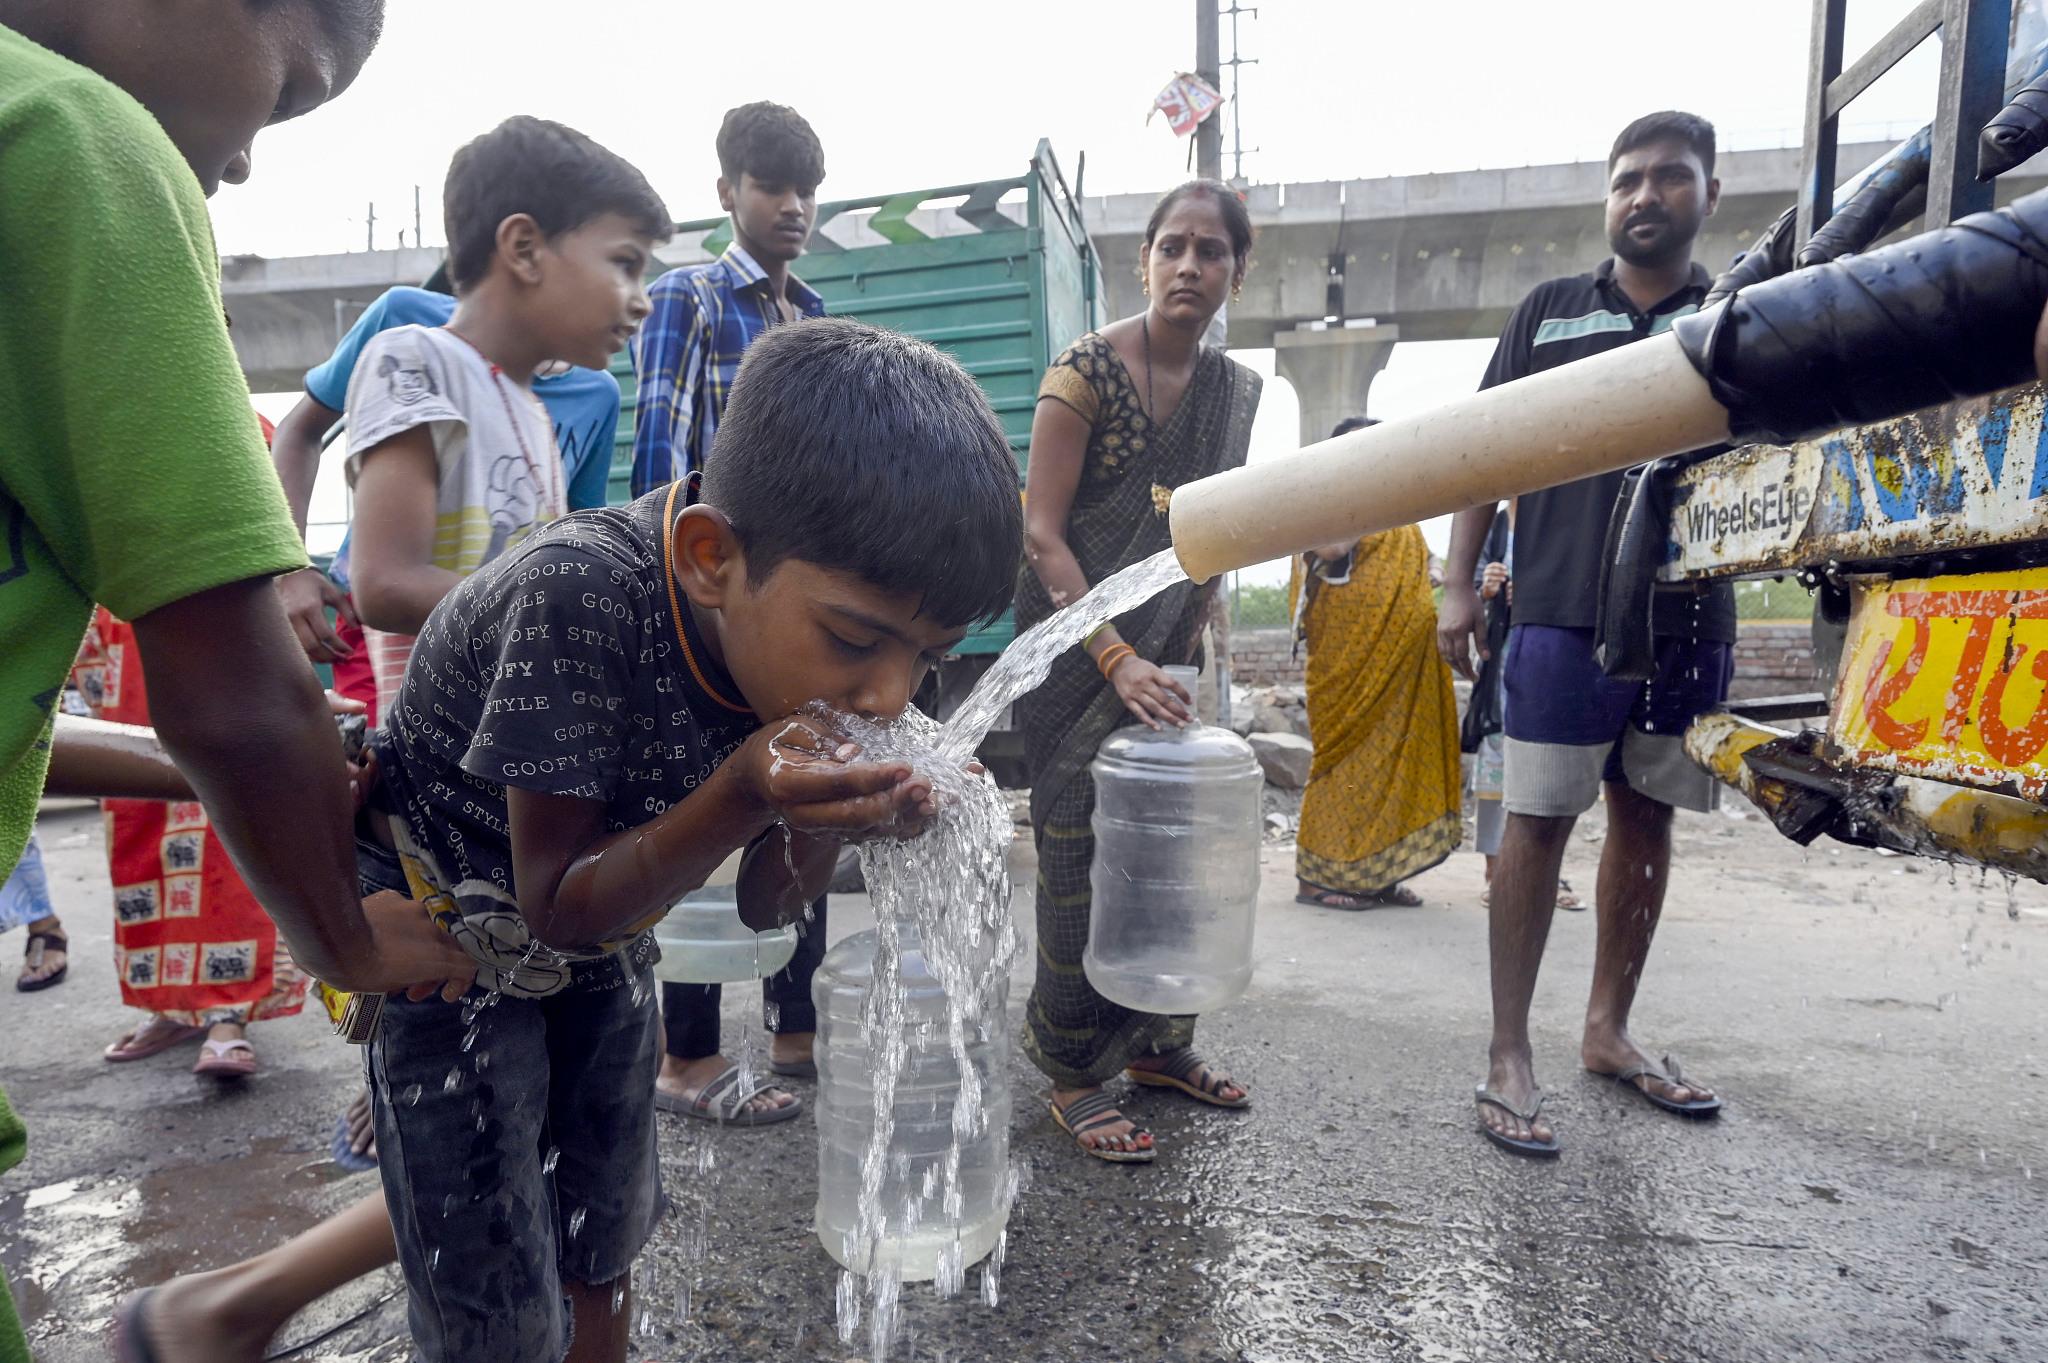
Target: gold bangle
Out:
[1113,655]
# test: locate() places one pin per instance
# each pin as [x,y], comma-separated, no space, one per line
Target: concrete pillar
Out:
[1332,371]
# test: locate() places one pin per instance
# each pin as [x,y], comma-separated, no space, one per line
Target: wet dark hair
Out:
[551,172]
[871,453]
[1237,219]
[1672,124]
[772,143]
[1352,423]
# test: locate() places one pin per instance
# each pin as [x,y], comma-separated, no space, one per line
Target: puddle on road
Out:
[84,1242]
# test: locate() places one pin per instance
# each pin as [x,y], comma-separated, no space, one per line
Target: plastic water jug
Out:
[917,1235]
[1176,868]
[703,941]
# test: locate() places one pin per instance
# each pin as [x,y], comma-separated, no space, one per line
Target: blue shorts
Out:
[519,1159]
[1569,726]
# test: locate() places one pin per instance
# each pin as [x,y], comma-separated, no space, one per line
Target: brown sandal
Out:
[1181,1067]
[40,944]
[1093,1112]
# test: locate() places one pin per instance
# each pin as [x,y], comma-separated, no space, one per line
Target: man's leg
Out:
[786,995]
[1635,866]
[691,1057]
[231,1313]
[1518,924]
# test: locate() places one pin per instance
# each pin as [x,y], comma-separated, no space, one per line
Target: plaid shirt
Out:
[704,318]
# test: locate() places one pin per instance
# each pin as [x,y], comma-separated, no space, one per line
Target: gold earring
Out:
[1236,292]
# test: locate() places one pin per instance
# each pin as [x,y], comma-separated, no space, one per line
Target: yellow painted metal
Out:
[1913,814]
[1946,677]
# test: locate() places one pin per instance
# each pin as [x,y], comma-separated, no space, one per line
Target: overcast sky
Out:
[909,93]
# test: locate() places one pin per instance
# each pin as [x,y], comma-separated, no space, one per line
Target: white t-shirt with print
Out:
[500,477]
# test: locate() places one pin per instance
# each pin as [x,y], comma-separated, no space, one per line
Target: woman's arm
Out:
[391,567]
[1059,446]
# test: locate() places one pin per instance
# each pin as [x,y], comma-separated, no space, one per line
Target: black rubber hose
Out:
[1874,206]
[2019,130]
[1944,315]
[1769,257]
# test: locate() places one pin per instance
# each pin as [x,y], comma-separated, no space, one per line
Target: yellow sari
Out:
[1382,798]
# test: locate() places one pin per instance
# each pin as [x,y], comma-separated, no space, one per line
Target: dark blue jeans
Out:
[517,1149]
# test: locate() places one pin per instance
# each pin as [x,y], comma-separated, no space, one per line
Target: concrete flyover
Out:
[1426,257]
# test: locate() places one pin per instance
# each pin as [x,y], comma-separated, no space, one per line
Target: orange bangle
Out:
[1113,655]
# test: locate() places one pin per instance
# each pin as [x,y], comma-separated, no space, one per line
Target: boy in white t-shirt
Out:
[451,455]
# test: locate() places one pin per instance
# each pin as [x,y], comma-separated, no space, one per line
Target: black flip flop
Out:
[1531,1149]
[33,960]
[1321,900]
[131,1341]
[1670,1073]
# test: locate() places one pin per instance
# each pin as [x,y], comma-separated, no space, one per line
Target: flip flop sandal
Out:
[1180,1068]
[1328,899]
[343,1150]
[721,1101]
[1670,1073]
[1567,900]
[794,1069]
[1531,1149]
[39,945]
[225,1059]
[131,1341]
[1398,896]
[157,1037]
[1095,1111]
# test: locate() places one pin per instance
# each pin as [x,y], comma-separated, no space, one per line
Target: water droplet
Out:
[411,1096]
[553,1157]
[452,1082]
[683,1305]
[576,1221]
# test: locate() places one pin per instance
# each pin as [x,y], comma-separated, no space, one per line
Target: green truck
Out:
[999,274]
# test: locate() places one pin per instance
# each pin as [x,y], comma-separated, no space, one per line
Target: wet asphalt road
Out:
[1878,1189]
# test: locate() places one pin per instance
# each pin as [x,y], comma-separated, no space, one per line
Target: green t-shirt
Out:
[132,471]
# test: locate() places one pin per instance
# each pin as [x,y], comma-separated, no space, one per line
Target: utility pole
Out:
[1236,63]
[370,222]
[1208,65]
[419,237]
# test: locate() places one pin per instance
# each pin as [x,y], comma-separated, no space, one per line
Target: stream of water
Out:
[952,881]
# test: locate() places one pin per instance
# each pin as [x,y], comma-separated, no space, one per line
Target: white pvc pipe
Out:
[1608,411]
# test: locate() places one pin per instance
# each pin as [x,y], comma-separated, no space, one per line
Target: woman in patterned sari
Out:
[1382,798]
[1124,416]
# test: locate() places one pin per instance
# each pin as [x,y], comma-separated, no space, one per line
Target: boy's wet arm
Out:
[579,885]
[782,873]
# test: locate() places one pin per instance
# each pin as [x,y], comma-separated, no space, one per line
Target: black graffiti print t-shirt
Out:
[556,668]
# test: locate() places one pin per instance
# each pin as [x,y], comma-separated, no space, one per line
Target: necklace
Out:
[1151,403]
[675,605]
[549,498]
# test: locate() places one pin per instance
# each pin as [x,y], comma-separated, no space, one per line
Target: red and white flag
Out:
[1186,101]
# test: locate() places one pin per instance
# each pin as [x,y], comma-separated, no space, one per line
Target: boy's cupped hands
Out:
[811,777]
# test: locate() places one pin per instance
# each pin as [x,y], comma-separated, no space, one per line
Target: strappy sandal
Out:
[1181,1066]
[722,1101]
[1090,1114]
[1670,1073]
[1532,1149]
[225,1059]
[153,1037]
[41,944]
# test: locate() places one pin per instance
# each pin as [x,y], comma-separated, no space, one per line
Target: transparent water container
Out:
[703,941]
[1176,870]
[917,1234]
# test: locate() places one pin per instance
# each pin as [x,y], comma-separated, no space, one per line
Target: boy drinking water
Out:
[590,726]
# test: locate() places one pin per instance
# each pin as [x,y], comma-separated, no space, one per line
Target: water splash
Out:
[951,884]
[1029,658]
